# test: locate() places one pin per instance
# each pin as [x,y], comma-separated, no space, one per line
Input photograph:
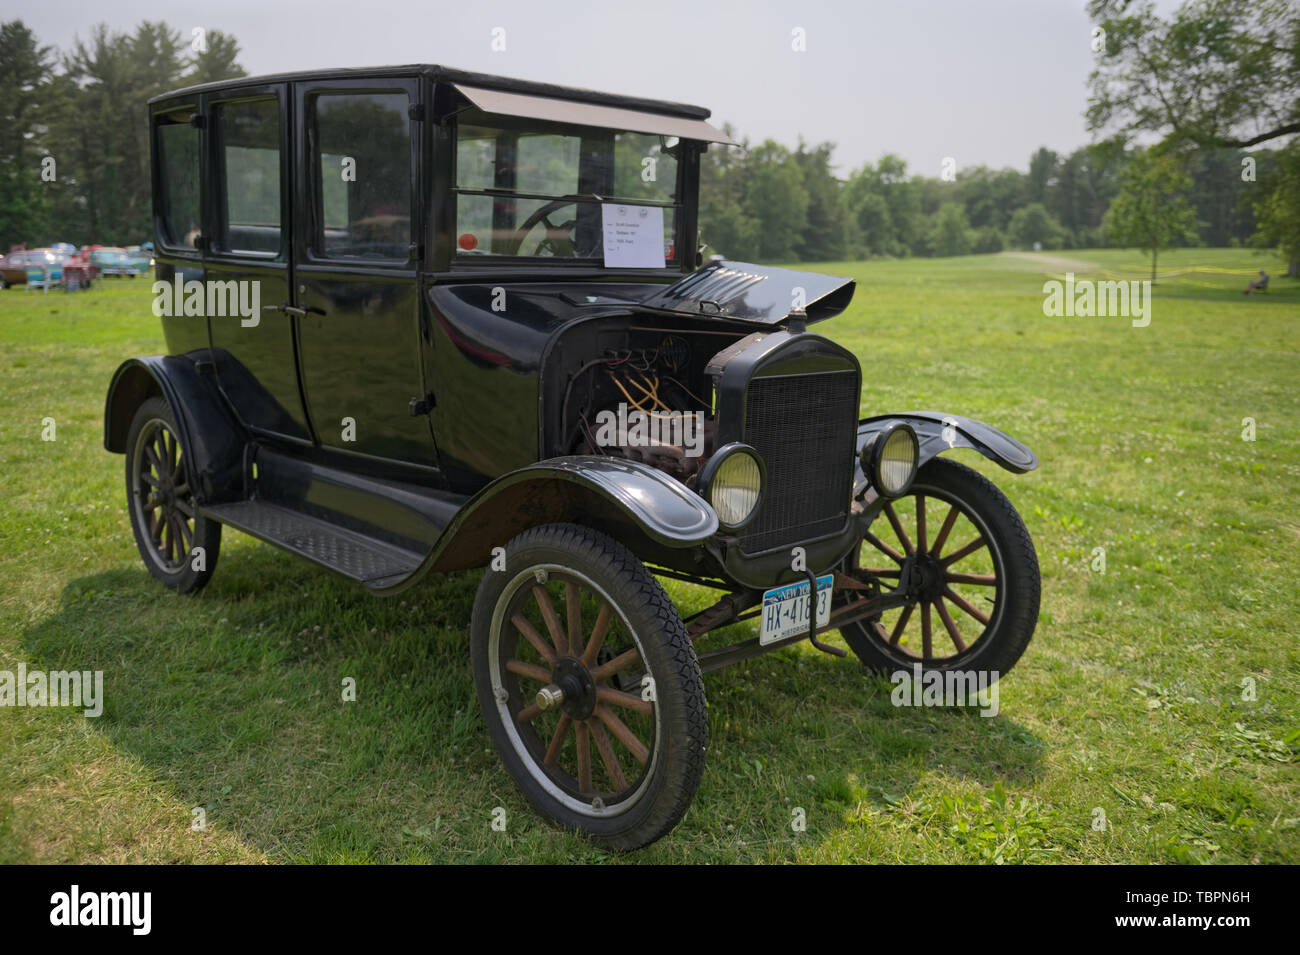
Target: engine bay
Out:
[643,395]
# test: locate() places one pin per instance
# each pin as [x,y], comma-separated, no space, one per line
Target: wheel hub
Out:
[572,689]
[927,578]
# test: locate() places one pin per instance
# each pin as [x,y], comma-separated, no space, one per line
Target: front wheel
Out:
[966,560]
[589,685]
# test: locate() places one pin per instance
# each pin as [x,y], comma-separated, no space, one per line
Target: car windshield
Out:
[542,190]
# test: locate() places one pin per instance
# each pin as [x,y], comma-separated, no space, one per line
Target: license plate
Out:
[785,610]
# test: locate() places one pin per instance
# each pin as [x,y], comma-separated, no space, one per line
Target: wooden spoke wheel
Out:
[964,557]
[589,685]
[167,524]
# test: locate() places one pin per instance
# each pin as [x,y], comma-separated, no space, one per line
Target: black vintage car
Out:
[421,320]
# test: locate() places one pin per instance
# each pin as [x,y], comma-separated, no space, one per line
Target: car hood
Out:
[758,294]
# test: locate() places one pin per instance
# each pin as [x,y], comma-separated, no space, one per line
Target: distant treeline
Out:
[74,166]
[74,136]
[770,203]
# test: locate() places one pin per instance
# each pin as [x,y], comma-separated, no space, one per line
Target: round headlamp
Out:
[732,481]
[890,460]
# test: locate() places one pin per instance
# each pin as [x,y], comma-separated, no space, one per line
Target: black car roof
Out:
[449,74]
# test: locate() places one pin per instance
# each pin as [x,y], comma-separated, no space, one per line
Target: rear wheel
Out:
[178,544]
[966,559]
[589,685]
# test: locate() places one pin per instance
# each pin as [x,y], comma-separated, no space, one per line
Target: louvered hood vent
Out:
[761,294]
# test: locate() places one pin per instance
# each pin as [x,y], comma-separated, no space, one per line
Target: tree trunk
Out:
[1294,271]
[1154,254]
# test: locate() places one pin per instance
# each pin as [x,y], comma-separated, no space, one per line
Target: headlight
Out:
[890,459]
[733,483]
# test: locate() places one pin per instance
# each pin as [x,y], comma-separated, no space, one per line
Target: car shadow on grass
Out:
[237,698]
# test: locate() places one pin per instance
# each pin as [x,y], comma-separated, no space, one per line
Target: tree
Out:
[902,197]
[1217,73]
[1151,212]
[823,238]
[98,123]
[217,61]
[1279,210]
[1042,174]
[988,240]
[1034,225]
[874,226]
[951,234]
[776,199]
[724,225]
[24,72]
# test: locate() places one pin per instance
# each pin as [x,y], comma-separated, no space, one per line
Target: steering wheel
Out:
[558,240]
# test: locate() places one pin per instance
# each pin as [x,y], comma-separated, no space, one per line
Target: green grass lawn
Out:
[1129,701]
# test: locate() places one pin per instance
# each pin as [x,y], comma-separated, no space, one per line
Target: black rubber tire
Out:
[206,533]
[666,650]
[1011,626]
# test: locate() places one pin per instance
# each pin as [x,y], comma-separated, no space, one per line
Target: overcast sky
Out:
[982,81]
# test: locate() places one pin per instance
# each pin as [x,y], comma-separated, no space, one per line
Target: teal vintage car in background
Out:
[112,261]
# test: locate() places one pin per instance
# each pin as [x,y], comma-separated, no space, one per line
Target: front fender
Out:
[645,508]
[938,432]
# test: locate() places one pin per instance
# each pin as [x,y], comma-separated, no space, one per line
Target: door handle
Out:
[302,312]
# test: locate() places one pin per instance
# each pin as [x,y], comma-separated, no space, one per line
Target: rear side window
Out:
[248,156]
[178,164]
[361,156]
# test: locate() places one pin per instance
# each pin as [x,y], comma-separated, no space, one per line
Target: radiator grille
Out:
[805,428]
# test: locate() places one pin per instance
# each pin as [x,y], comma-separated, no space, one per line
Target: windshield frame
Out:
[446,197]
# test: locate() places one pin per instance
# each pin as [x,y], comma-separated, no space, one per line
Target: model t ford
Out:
[421,320]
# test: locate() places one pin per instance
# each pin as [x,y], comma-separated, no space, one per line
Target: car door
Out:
[356,268]
[247,263]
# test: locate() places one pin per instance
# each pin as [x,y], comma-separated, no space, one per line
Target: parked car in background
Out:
[115,261]
[14,266]
[141,257]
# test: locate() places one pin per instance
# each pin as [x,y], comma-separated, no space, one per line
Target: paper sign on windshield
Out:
[633,236]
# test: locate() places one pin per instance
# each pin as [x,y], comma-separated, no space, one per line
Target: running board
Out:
[372,562]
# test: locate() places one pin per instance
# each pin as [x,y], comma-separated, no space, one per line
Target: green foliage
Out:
[25,68]
[988,240]
[775,199]
[1215,73]
[91,119]
[1034,226]
[1151,212]
[823,238]
[951,233]
[1279,208]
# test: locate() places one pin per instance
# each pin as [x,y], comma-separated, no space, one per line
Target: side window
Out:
[178,164]
[248,179]
[361,155]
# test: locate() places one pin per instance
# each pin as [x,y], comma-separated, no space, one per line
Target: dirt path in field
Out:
[1053,262]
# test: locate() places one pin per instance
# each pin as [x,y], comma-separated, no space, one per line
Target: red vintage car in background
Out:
[74,270]
[14,266]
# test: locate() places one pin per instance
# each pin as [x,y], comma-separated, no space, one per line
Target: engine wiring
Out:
[637,373]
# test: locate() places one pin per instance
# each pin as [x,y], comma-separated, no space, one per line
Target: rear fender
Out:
[212,440]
